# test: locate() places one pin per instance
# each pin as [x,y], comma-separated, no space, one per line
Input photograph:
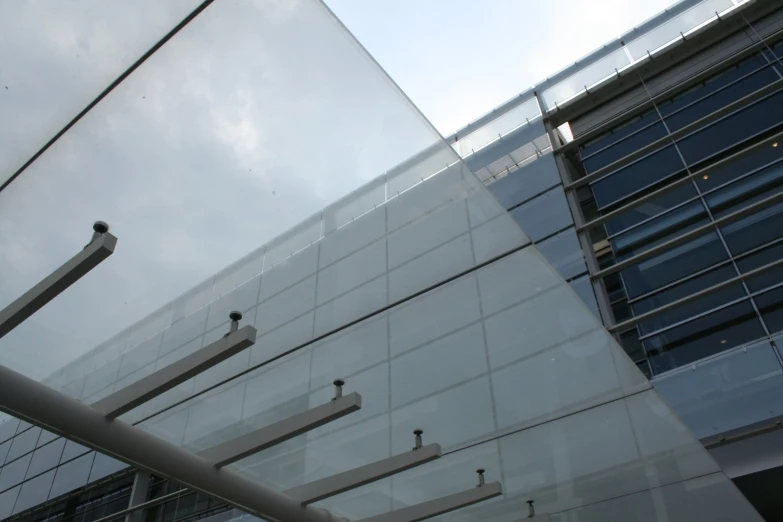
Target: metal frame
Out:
[268,436]
[57,282]
[176,373]
[341,482]
[439,506]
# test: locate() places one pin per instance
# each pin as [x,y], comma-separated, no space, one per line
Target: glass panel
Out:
[71,475]
[770,305]
[759,259]
[650,208]
[34,491]
[23,443]
[46,457]
[7,501]
[544,215]
[8,428]
[733,129]
[104,466]
[733,169]
[673,29]
[755,230]
[564,253]
[526,182]
[623,148]
[720,99]
[584,289]
[13,473]
[746,191]
[499,126]
[732,390]
[82,47]
[156,130]
[692,308]
[712,84]
[618,133]
[4,447]
[708,335]
[673,264]
[72,449]
[636,176]
[584,78]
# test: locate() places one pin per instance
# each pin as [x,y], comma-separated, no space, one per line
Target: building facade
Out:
[647,176]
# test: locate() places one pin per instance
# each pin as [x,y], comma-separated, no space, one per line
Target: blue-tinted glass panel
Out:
[71,475]
[734,325]
[685,289]
[522,184]
[584,289]
[673,264]
[636,176]
[7,501]
[655,206]
[733,169]
[754,231]
[4,447]
[746,191]
[624,147]
[733,129]
[659,230]
[564,253]
[72,449]
[621,131]
[770,305]
[24,443]
[758,259]
[46,437]
[721,98]
[711,85]
[104,466]
[34,492]
[8,428]
[13,473]
[544,215]
[46,457]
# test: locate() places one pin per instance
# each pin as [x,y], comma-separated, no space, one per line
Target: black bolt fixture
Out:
[235,317]
[99,228]
[417,440]
[338,388]
[480,472]
[531,511]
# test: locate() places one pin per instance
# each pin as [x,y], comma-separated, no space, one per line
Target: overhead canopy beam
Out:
[341,482]
[176,373]
[440,505]
[268,436]
[101,247]
[38,404]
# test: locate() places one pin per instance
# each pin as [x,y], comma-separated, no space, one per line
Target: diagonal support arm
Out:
[56,282]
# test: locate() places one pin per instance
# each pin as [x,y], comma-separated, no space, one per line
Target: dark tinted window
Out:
[619,132]
[733,169]
[714,333]
[544,215]
[721,98]
[522,184]
[712,84]
[623,148]
[733,129]
[755,230]
[673,264]
[651,169]
[770,305]
[759,259]
[746,191]
[651,208]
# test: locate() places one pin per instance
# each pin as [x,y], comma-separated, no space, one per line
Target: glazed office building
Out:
[621,285]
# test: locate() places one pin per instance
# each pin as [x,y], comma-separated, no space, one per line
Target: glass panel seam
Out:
[694,317]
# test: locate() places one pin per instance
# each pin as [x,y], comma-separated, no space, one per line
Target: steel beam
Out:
[55,283]
[176,373]
[351,479]
[440,505]
[138,496]
[38,404]
[266,437]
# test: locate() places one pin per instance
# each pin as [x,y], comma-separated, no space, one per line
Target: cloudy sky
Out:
[255,116]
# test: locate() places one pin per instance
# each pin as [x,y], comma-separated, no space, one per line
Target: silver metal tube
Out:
[36,403]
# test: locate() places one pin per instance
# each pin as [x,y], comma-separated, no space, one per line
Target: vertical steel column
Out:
[141,483]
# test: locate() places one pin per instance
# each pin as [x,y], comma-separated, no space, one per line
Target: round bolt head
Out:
[100,227]
[418,431]
[530,501]
[480,471]
[338,382]
[235,316]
